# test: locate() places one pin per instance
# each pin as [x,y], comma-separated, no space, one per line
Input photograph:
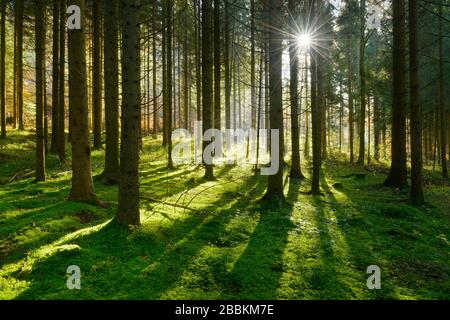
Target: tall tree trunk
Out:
[350,101]
[2,71]
[96,76]
[442,105]
[62,84]
[227,66]
[316,100]
[217,64]
[15,75]
[362,74]
[307,107]
[186,102]
[82,184]
[40,88]
[296,172]
[376,126]
[128,209]
[275,182]
[207,76]
[198,66]
[111,40]
[341,115]
[55,77]
[19,22]
[169,80]
[398,174]
[164,69]
[253,63]
[416,112]
[155,96]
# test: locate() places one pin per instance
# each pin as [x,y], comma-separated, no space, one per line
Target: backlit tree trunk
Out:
[274,14]
[40,88]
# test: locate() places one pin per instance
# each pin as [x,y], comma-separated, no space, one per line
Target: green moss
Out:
[215,240]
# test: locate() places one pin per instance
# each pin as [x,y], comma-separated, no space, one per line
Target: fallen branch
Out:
[167,203]
[21,175]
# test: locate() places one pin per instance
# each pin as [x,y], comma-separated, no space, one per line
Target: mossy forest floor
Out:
[215,240]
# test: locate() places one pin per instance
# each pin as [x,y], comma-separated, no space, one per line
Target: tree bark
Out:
[169,79]
[55,77]
[316,100]
[111,40]
[417,197]
[217,65]
[96,76]
[155,96]
[275,182]
[2,71]
[296,172]
[19,22]
[207,77]
[350,102]
[227,66]
[442,105]
[398,174]
[40,91]
[62,84]
[362,74]
[128,209]
[82,184]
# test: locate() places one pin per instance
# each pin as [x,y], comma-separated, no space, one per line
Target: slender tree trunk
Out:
[19,22]
[316,100]
[169,79]
[350,102]
[252,63]
[55,77]
[164,69]
[398,174]
[296,172]
[376,126]
[15,75]
[341,115]
[82,184]
[186,101]
[442,105]
[2,71]
[227,66]
[198,66]
[62,84]
[155,95]
[217,65]
[307,108]
[362,73]
[40,91]
[207,70]
[416,112]
[128,208]
[96,76]
[111,39]
[274,14]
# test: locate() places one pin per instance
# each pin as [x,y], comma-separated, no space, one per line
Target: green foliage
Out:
[206,240]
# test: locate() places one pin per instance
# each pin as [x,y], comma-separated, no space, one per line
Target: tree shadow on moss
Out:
[142,265]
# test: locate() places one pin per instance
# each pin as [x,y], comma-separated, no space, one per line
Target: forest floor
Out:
[215,240]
